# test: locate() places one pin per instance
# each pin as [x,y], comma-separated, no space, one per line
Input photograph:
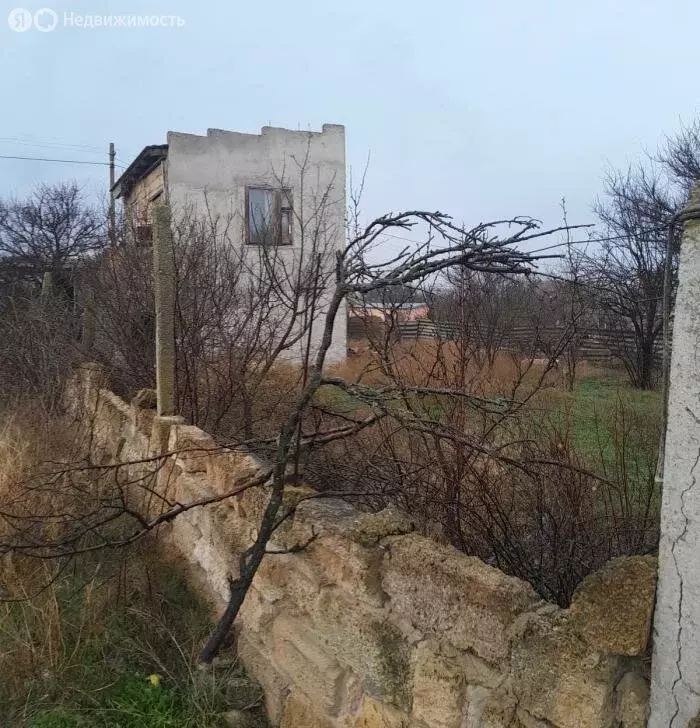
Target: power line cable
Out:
[61,161]
[56,145]
[48,144]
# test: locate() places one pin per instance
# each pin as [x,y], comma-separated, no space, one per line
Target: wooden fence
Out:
[599,347]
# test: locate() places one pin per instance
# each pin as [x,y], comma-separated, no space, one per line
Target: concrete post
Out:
[675,682]
[88,336]
[164,286]
[46,286]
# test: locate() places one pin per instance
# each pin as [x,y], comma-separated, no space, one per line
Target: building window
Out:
[269,216]
[139,223]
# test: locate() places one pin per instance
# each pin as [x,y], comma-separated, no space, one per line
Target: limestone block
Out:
[256,614]
[227,469]
[498,711]
[253,502]
[361,637]
[350,566]
[274,683]
[215,563]
[438,687]
[613,608]
[136,448]
[377,715]
[300,713]
[287,536]
[193,447]
[558,677]
[145,399]
[311,668]
[477,699]
[353,696]
[234,531]
[112,416]
[368,529]
[326,516]
[524,719]
[143,420]
[160,433]
[480,672]
[452,596]
[632,695]
[292,577]
[332,516]
[185,531]
[168,473]
[188,487]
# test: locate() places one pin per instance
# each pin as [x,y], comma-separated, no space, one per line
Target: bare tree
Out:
[574,304]
[38,335]
[53,230]
[680,157]
[636,214]
[486,309]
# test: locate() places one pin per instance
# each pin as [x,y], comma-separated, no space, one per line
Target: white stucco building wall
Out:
[209,174]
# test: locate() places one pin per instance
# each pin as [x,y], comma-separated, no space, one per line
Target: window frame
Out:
[280,195]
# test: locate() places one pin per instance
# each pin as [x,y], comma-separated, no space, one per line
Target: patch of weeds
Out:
[132,702]
[80,654]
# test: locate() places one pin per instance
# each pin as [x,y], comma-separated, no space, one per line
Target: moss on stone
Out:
[394,665]
[370,528]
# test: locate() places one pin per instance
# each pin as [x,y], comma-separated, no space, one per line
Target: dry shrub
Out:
[445,364]
[249,407]
[33,644]
[509,486]
[39,347]
[233,336]
[79,634]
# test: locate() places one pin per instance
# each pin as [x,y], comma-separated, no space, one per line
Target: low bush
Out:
[548,487]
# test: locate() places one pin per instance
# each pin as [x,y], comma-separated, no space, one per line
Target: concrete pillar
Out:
[675,683]
[164,286]
[46,286]
[88,336]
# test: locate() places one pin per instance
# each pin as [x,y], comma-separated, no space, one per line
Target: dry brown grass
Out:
[80,635]
[446,363]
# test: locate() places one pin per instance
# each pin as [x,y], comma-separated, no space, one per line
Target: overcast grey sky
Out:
[479,108]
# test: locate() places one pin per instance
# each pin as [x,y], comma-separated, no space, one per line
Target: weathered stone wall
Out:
[375,626]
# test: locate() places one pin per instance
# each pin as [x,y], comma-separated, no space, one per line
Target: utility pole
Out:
[112,214]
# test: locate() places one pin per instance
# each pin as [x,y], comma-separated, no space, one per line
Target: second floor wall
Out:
[279,187]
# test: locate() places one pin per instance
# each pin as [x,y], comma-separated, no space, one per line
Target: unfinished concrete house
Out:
[278,195]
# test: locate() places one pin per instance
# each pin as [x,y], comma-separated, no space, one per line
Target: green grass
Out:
[130,702]
[603,413]
[113,643]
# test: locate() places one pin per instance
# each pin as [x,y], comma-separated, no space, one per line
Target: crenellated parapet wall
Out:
[375,626]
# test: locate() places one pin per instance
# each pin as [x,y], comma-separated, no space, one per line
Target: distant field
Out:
[602,417]
[603,407]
